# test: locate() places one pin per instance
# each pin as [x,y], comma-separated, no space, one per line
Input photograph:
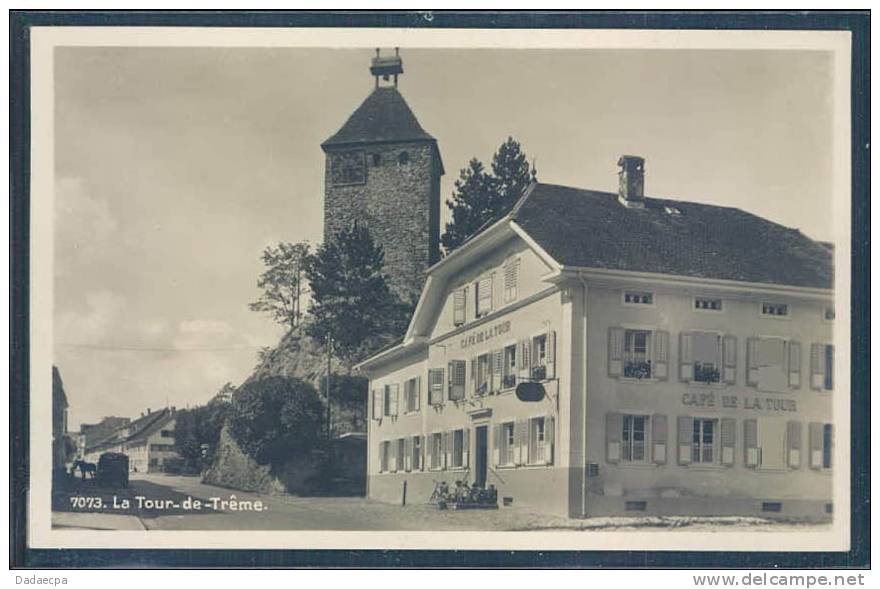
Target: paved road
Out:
[164,502]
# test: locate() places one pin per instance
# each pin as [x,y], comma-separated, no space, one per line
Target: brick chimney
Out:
[632,181]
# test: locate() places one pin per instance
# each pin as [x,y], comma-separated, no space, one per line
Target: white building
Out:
[685,350]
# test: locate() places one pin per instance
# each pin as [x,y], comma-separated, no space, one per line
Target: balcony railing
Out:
[707,373]
[508,381]
[637,369]
[539,373]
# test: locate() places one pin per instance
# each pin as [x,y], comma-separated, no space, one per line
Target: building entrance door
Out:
[481,455]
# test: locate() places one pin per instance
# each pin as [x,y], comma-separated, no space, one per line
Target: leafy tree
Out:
[348,401]
[351,299]
[482,197]
[275,417]
[199,428]
[282,282]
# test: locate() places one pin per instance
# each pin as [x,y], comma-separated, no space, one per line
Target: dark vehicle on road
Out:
[113,470]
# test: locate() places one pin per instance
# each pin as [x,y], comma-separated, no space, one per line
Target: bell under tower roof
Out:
[384,116]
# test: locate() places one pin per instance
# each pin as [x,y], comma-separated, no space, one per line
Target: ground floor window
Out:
[538,451]
[384,451]
[507,443]
[633,437]
[399,455]
[484,373]
[458,448]
[436,451]
[703,449]
[417,453]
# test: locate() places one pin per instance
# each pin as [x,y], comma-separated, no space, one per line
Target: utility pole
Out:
[329,352]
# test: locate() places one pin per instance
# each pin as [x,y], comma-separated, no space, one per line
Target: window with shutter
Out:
[821,367]
[435,386]
[457,380]
[704,447]
[483,292]
[497,361]
[551,355]
[613,429]
[637,354]
[483,374]
[377,404]
[752,456]
[539,355]
[615,351]
[525,365]
[794,364]
[458,448]
[508,377]
[661,355]
[537,442]
[705,356]
[459,306]
[768,364]
[511,277]
[395,400]
[634,438]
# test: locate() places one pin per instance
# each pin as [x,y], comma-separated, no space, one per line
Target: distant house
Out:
[91,433]
[148,441]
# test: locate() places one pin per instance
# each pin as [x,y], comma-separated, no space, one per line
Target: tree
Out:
[282,282]
[197,430]
[351,299]
[275,417]
[481,197]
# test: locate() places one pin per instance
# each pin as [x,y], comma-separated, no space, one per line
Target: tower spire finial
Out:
[386,67]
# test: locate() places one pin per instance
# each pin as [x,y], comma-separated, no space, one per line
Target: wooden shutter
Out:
[615,351]
[659,438]
[429,450]
[472,381]
[446,449]
[465,447]
[793,443]
[661,355]
[551,354]
[417,393]
[484,286]
[459,306]
[496,445]
[816,445]
[511,268]
[377,403]
[520,440]
[752,362]
[407,454]
[435,386]
[550,438]
[794,364]
[525,355]
[728,440]
[613,433]
[686,361]
[729,352]
[817,366]
[752,456]
[497,370]
[685,439]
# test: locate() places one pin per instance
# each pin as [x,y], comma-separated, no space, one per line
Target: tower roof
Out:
[383,117]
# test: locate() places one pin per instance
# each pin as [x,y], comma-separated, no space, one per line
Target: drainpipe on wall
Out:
[584,375]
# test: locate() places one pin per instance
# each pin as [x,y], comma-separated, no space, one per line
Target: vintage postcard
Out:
[401,289]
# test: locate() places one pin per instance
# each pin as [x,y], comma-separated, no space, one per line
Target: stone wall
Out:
[400,203]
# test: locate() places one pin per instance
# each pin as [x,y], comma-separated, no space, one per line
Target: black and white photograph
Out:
[426,289]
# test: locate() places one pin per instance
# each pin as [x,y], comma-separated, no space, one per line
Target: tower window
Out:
[403,158]
[348,168]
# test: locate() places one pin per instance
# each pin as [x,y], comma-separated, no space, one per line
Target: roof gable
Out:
[585,228]
[383,117]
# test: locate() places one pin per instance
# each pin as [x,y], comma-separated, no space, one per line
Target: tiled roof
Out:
[137,430]
[383,116]
[585,228]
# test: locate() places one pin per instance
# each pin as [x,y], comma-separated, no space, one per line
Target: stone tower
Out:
[383,170]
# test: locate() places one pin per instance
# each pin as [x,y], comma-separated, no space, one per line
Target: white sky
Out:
[176,167]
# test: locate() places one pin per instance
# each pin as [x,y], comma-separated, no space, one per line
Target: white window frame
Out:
[649,352]
[464,306]
[626,303]
[540,443]
[719,365]
[416,457]
[479,311]
[457,448]
[436,441]
[508,444]
[508,370]
[630,444]
[698,448]
[763,315]
[484,373]
[411,393]
[708,298]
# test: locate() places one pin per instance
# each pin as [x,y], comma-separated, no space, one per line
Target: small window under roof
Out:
[672,211]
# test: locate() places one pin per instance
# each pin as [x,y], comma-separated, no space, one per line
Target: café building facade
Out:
[685,353]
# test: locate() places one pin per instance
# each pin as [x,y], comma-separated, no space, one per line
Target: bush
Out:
[276,417]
